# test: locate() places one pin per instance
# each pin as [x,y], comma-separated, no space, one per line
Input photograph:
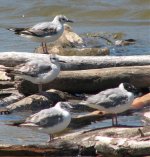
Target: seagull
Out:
[44,32]
[37,72]
[49,121]
[114,100]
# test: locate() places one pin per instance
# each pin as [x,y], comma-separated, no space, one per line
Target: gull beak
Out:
[62,61]
[70,21]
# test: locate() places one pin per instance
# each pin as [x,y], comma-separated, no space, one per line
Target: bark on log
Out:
[95,80]
[75,62]
[119,147]
[114,142]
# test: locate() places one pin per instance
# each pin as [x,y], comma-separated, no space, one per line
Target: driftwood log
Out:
[75,62]
[94,80]
[114,142]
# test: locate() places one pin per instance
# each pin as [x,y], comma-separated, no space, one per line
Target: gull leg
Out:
[114,120]
[42,44]
[46,50]
[40,88]
[113,124]
[51,138]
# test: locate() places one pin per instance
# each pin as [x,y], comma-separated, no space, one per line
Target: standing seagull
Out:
[115,100]
[44,32]
[50,121]
[37,72]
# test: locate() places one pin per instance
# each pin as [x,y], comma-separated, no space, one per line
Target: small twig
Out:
[106,39]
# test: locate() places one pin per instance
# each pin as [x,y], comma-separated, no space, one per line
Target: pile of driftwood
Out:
[82,75]
[89,74]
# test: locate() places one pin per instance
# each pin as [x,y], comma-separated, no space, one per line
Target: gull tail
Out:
[16,30]
[18,124]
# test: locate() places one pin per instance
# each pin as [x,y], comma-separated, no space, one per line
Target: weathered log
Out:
[6,84]
[75,62]
[119,147]
[56,149]
[114,142]
[10,98]
[95,80]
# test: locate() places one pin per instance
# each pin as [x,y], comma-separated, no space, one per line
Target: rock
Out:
[58,49]
[38,102]
[70,38]
[70,44]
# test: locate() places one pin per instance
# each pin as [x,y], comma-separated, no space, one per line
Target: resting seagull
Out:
[44,32]
[115,100]
[50,121]
[37,72]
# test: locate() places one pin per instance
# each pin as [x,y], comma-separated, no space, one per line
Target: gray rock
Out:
[37,102]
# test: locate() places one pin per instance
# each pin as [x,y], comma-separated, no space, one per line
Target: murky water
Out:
[131,17]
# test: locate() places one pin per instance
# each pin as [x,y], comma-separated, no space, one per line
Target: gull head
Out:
[130,88]
[55,60]
[62,19]
[64,105]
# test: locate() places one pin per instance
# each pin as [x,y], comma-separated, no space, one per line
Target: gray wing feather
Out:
[113,97]
[50,121]
[32,69]
[42,29]
[44,118]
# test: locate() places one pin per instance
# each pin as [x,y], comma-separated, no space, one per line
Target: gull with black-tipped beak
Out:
[113,101]
[37,72]
[44,32]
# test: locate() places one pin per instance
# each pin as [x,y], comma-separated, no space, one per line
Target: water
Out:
[130,17]
[13,135]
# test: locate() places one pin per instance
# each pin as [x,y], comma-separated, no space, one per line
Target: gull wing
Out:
[31,69]
[41,30]
[45,118]
[108,98]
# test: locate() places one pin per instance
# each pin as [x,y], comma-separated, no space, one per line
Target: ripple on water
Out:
[89,16]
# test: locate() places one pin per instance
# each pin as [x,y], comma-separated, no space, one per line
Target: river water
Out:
[131,17]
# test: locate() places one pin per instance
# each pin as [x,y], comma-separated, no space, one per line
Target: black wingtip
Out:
[16,30]
[11,29]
